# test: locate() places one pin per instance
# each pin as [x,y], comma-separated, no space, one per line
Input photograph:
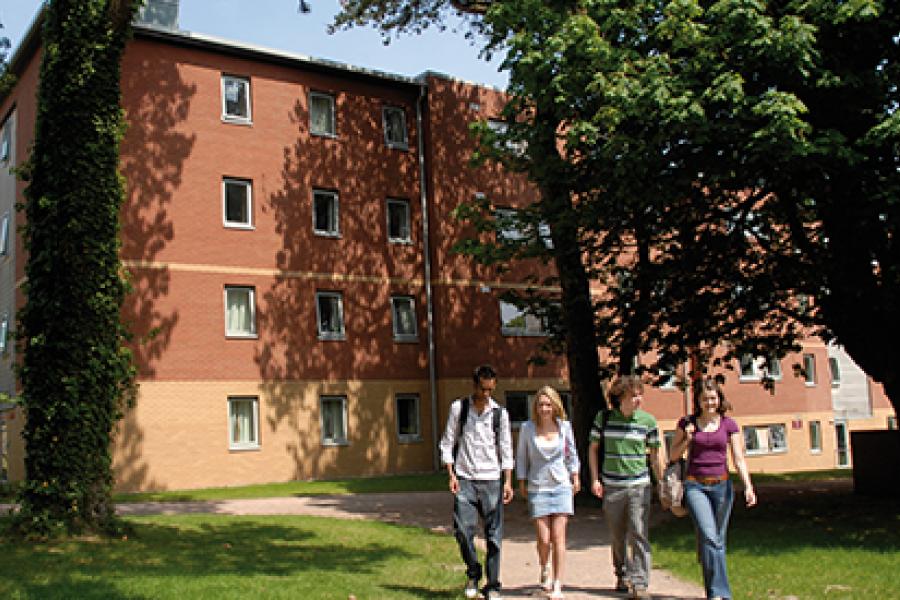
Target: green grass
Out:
[823,475]
[222,557]
[362,485]
[798,543]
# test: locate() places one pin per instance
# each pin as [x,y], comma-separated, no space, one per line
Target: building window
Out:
[4,332]
[325,213]
[334,420]
[403,311]
[809,369]
[500,128]
[666,379]
[330,314]
[398,220]
[235,98]
[237,202]
[754,368]
[835,369]
[240,312]
[395,135]
[517,322]
[321,114]
[773,367]
[5,142]
[408,418]
[509,227]
[815,436]
[243,423]
[4,235]
[892,422]
[765,439]
[518,405]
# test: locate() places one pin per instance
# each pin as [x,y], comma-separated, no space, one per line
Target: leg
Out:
[490,496]
[614,504]
[639,534]
[465,518]
[710,508]
[558,535]
[542,531]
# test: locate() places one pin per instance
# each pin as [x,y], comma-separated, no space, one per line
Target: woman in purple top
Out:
[707,434]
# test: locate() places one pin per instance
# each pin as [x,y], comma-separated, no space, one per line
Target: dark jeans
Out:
[710,508]
[479,499]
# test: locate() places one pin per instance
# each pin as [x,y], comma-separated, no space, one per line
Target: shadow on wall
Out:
[364,172]
[156,100]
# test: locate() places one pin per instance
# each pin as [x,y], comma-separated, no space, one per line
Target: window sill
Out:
[397,146]
[401,241]
[244,448]
[815,452]
[241,336]
[327,234]
[515,333]
[749,379]
[406,339]
[237,121]
[325,337]
[410,439]
[324,134]
[808,384]
[241,226]
[335,443]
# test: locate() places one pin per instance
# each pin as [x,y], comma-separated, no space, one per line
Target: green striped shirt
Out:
[625,442]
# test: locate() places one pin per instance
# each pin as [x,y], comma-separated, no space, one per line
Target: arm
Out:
[506,456]
[682,441]
[522,458]
[657,462]
[571,456]
[593,460]
[736,442]
[447,442]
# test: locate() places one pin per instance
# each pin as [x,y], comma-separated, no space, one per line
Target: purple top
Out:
[707,456]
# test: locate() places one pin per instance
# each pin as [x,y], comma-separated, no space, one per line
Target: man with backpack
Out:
[477,450]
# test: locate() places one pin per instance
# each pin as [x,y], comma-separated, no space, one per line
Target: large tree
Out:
[731,165]
[76,369]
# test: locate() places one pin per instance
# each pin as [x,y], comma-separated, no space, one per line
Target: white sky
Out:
[278,25]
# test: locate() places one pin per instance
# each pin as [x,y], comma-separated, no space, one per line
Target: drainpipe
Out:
[426,257]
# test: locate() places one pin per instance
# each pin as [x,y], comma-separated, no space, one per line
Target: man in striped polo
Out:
[623,480]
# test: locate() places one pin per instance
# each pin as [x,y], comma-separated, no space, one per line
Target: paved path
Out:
[589,560]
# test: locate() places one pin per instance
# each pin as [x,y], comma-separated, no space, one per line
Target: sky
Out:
[277,24]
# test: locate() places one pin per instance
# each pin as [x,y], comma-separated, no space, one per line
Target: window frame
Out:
[529,397]
[760,368]
[248,201]
[253,444]
[407,438]
[252,334]
[6,142]
[834,371]
[398,145]
[4,234]
[334,441]
[231,118]
[809,369]
[398,335]
[330,335]
[524,331]
[335,212]
[769,448]
[815,436]
[4,333]
[333,114]
[407,210]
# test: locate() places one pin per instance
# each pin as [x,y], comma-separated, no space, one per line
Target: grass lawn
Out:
[222,557]
[799,543]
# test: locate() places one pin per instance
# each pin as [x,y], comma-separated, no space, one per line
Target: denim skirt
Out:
[552,502]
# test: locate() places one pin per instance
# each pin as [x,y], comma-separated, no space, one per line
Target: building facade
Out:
[298,310]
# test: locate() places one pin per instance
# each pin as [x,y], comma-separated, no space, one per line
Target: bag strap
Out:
[496,417]
[604,419]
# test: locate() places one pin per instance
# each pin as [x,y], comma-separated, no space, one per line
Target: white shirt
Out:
[477,456]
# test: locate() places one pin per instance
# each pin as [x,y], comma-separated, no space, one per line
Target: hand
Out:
[597,489]
[576,483]
[507,493]
[454,485]
[750,496]
[689,430]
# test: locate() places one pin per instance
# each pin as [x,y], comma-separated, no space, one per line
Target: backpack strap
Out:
[496,418]
[604,419]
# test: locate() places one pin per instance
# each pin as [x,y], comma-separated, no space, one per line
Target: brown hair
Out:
[709,384]
[558,409]
[624,384]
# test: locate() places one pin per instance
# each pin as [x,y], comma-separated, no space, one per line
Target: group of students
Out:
[476,449]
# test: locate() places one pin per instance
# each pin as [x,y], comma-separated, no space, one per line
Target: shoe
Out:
[471,588]
[640,593]
[492,595]
[622,585]
[546,582]
[556,593]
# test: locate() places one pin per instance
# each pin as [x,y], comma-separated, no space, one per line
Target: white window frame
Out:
[4,234]
[4,333]
[398,144]
[815,437]
[762,444]
[834,370]
[809,369]
[404,336]
[248,187]
[332,125]
[891,422]
[6,142]
[335,212]
[532,326]
[408,437]
[330,296]
[670,383]
[760,366]
[251,443]
[233,118]
[251,296]
[333,440]
[407,214]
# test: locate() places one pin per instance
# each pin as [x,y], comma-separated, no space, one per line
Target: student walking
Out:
[708,492]
[622,479]
[547,469]
[476,449]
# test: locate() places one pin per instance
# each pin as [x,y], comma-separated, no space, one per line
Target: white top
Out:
[477,455]
[546,468]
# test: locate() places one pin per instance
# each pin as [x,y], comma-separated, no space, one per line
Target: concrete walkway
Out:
[589,558]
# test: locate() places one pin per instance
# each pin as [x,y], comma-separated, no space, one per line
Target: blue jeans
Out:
[710,508]
[479,499]
[627,512]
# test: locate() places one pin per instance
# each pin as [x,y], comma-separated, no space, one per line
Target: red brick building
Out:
[298,308]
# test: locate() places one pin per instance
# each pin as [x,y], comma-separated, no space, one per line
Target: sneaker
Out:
[640,593]
[622,584]
[556,594]
[546,582]
[471,588]
[492,595]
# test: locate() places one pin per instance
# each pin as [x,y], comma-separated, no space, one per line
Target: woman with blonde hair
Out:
[547,469]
